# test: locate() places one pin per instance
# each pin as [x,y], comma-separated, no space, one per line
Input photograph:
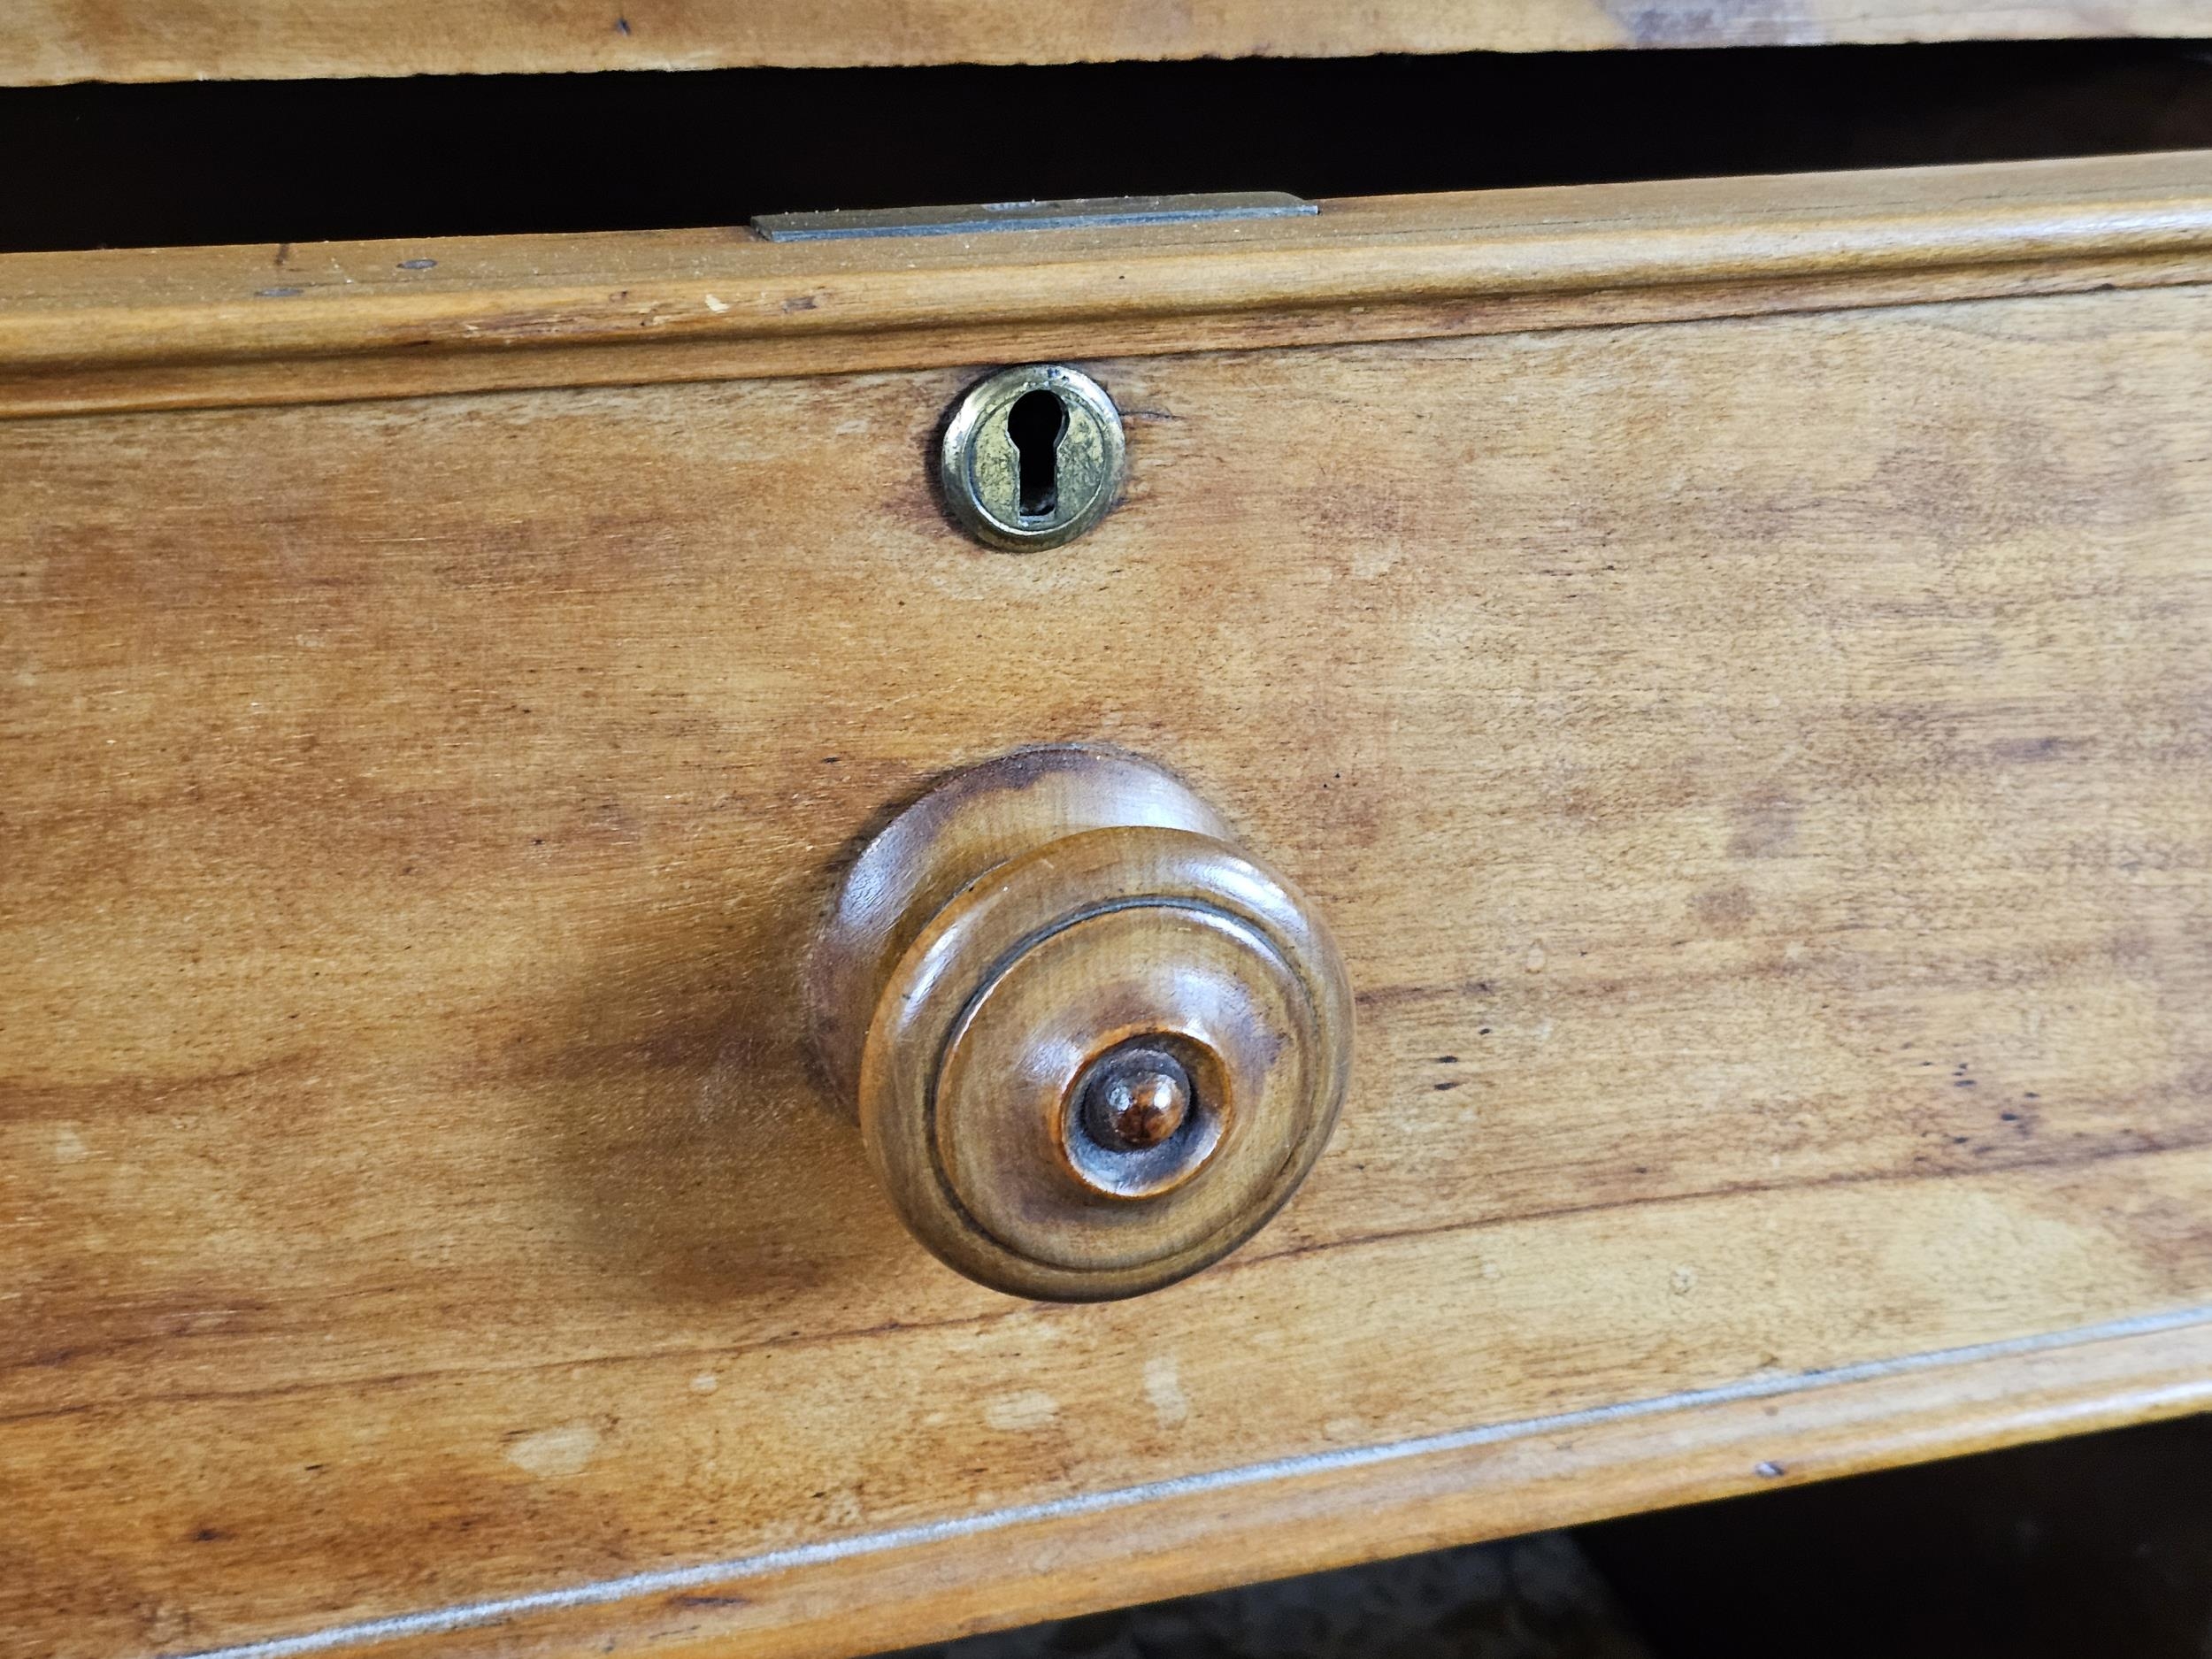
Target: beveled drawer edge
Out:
[936,1580]
[156,328]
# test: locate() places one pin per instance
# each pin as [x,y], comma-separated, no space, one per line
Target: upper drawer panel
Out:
[52,41]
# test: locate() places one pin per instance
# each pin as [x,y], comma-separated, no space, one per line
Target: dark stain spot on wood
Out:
[277,293]
[1394,995]
[1348,519]
[418,265]
[1772,1472]
[622,27]
[208,1535]
[800,302]
[710,1600]
[1724,910]
[1441,1087]
[1447,1059]
[1766,826]
[2031,749]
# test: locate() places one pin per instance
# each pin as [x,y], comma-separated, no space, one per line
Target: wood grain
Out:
[1520,1478]
[173,327]
[1753,770]
[188,39]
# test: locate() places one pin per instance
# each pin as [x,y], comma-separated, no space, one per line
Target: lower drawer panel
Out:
[1755,769]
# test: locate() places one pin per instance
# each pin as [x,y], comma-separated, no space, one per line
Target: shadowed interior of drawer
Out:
[296,162]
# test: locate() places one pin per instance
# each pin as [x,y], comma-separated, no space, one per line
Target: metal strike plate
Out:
[1081,213]
[1032,456]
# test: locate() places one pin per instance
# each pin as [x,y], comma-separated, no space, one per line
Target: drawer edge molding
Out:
[160,328]
[936,1580]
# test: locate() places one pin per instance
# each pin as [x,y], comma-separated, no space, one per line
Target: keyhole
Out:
[1034,424]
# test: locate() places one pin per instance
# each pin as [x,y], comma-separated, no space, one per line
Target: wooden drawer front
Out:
[1755,768]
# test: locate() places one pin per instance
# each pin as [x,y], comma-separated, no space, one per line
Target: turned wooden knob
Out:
[1091,1045]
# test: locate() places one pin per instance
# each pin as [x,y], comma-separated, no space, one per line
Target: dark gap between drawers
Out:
[99,166]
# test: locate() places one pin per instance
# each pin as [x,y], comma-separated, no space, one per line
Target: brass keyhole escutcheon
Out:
[1093,1044]
[1032,456]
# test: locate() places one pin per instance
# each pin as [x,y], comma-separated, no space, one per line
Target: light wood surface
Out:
[190,40]
[1754,769]
[175,327]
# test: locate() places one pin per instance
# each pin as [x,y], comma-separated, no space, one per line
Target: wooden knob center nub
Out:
[1135,1100]
[1091,1045]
